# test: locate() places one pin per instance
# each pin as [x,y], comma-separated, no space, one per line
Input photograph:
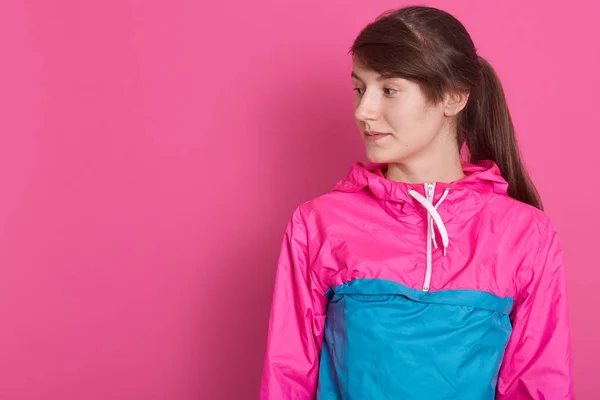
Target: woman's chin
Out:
[380,156]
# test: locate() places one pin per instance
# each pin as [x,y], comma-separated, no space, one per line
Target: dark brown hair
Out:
[431,47]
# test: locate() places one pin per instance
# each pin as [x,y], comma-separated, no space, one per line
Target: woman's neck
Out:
[442,168]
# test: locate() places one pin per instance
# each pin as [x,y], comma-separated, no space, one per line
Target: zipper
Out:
[430,193]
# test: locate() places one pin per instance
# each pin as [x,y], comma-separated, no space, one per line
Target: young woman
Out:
[425,275]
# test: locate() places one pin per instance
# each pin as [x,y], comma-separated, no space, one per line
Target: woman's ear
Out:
[454,103]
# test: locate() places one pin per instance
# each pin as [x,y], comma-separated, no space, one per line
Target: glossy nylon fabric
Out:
[371,228]
[386,341]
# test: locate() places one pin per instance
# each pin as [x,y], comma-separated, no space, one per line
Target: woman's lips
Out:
[374,136]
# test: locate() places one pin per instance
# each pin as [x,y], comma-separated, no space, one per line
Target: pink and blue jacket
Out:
[388,290]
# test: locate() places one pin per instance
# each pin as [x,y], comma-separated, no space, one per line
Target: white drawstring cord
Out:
[432,215]
[436,206]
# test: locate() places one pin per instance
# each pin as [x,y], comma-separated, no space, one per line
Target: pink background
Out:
[151,153]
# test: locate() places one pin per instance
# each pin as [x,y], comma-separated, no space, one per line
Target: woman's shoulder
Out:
[522,220]
[510,206]
[335,205]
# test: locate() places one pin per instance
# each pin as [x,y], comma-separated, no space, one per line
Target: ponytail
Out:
[487,128]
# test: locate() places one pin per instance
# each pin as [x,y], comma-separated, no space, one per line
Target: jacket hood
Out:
[482,181]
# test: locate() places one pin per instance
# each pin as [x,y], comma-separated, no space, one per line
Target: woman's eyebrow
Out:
[379,78]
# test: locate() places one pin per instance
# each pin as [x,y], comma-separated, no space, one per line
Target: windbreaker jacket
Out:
[388,290]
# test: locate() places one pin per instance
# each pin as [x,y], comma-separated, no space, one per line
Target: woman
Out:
[425,275]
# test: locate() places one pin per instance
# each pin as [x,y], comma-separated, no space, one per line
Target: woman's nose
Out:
[367,109]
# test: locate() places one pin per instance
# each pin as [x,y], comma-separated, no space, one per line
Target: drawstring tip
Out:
[445,248]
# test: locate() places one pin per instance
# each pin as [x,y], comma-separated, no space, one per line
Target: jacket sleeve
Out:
[537,363]
[296,322]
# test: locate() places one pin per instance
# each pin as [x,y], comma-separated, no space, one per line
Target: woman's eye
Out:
[388,91]
[359,91]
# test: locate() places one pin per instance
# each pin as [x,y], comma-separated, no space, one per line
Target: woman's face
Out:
[396,120]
